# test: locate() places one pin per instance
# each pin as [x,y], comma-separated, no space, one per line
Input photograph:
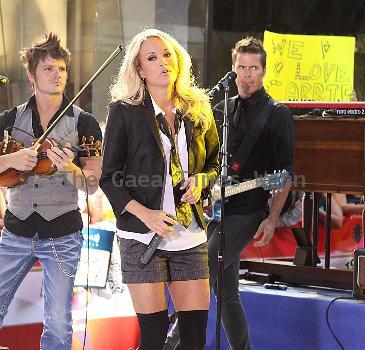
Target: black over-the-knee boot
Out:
[192,328]
[153,330]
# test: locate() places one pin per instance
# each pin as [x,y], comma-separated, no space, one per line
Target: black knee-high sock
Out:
[192,328]
[153,328]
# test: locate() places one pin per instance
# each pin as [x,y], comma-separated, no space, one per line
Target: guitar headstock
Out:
[274,182]
[93,148]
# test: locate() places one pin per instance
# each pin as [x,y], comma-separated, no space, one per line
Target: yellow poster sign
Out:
[309,67]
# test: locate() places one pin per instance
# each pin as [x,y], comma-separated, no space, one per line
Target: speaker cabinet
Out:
[359,274]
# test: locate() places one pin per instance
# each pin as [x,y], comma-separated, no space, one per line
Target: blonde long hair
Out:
[189,98]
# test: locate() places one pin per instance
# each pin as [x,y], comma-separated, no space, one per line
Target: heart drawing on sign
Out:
[325,47]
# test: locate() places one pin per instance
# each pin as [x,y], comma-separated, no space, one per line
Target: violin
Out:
[13,177]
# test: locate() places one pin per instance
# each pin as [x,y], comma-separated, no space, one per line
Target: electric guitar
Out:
[270,182]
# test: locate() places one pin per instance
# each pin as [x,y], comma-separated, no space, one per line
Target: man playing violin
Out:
[42,221]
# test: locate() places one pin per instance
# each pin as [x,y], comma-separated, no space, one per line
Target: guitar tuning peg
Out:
[98,146]
[83,140]
[91,139]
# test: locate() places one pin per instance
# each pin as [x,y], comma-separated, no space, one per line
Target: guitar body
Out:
[211,226]
[216,211]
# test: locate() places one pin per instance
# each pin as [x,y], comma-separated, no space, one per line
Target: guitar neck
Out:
[241,187]
[235,189]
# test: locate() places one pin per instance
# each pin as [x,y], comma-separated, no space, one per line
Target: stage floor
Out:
[296,319]
[285,320]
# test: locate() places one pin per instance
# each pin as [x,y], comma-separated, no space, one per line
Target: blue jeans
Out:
[59,258]
[239,230]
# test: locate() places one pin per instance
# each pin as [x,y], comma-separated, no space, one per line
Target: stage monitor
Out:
[303,254]
[359,274]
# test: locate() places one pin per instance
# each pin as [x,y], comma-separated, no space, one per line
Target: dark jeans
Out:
[239,230]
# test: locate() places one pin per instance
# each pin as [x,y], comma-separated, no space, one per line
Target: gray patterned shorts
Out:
[165,266]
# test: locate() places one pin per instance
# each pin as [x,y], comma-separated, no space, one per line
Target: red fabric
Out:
[21,336]
[283,244]
[119,333]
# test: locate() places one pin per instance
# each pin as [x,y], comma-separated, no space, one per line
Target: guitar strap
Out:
[245,148]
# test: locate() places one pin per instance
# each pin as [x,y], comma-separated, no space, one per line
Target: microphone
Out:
[152,246]
[225,81]
[4,80]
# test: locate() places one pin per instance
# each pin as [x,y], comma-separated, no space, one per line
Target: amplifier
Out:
[359,274]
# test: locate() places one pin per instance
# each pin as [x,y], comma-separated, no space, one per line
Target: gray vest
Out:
[48,195]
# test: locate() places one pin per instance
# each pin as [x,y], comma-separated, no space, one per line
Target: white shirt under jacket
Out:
[181,238]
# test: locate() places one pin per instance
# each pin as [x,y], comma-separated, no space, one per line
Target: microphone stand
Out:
[223,181]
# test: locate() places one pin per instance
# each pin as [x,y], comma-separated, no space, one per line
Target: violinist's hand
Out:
[62,158]
[24,160]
